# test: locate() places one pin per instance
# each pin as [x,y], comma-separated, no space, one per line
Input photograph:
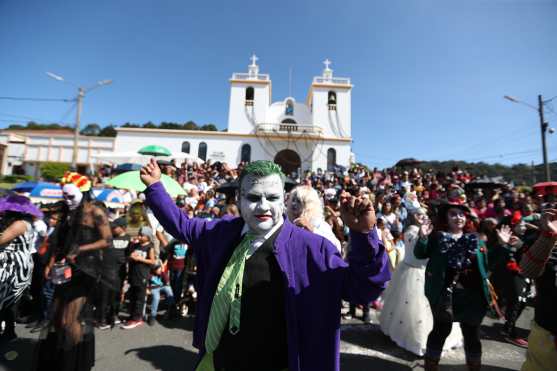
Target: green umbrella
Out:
[131,180]
[154,150]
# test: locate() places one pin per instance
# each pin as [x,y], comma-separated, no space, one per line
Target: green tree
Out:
[108,131]
[209,127]
[130,125]
[91,130]
[190,125]
[170,125]
[149,125]
[53,171]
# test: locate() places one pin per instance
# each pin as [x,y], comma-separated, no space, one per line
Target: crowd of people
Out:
[444,254]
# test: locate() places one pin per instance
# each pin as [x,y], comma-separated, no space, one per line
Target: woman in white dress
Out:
[406,316]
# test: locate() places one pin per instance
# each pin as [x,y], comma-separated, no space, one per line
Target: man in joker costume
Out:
[269,292]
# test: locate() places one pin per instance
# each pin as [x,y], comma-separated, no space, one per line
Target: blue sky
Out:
[429,76]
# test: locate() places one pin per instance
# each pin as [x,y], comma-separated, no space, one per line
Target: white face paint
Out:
[261,202]
[456,219]
[72,195]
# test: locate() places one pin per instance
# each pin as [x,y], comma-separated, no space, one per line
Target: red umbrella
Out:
[544,188]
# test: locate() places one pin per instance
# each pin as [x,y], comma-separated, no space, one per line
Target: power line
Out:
[37,99]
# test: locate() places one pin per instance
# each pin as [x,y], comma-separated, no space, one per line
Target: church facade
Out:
[312,135]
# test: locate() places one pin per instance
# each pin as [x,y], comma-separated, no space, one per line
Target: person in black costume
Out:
[68,343]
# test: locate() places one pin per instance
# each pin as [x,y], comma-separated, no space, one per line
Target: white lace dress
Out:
[406,316]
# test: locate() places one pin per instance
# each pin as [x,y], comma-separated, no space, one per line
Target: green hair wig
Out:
[261,169]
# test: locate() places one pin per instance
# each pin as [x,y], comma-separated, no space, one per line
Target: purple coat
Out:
[316,278]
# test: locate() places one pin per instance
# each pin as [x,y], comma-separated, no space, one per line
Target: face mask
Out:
[262,202]
[72,195]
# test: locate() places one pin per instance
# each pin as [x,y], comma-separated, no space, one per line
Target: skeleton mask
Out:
[72,195]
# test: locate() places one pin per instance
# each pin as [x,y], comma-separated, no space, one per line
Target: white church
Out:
[298,136]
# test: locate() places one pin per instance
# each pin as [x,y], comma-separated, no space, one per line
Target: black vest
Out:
[261,342]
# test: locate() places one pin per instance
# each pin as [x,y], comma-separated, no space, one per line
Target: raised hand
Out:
[425,229]
[357,213]
[150,173]
[504,234]
[548,222]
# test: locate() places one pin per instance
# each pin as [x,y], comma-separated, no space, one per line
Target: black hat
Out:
[445,206]
[120,222]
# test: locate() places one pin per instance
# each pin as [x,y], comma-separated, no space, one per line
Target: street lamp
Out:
[543,126]
[79,99]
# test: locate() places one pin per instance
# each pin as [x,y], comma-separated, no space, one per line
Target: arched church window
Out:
[289,111]
[331,159]
[245,155]
[332,101]
[186,147]
[288,125]
[202,151]
[250,94]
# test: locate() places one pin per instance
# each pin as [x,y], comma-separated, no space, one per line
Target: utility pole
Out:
[543,126]
[533,173]
[79,99]
[80,95]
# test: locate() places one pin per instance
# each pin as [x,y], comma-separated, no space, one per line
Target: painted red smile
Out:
[263,217]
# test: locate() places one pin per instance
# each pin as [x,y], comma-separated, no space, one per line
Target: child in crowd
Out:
[159,283]
[141,258]
[47,291]
[114,272]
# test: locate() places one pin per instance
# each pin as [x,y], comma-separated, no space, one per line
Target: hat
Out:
[19,204]
[444,207]
[80,181]
[120,222]
[147,231]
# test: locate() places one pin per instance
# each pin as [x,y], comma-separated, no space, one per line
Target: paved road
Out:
[167,346]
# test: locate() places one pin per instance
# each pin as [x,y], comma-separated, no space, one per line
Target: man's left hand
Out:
[357,213]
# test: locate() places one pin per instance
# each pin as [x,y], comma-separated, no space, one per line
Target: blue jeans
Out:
[156,297]
[47,294]
[177,282]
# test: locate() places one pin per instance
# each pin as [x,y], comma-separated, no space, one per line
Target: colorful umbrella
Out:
[154,150]
[132,181]
[39,189]
[109,195]
[545,188]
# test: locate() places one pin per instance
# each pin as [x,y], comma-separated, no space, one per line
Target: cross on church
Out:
[253,59]
[327,63]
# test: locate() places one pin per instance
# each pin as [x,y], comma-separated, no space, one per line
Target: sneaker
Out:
[347,316]
[519,342]
[151,321]
[103,326]
[117,321]
[40,325]
[132,324]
